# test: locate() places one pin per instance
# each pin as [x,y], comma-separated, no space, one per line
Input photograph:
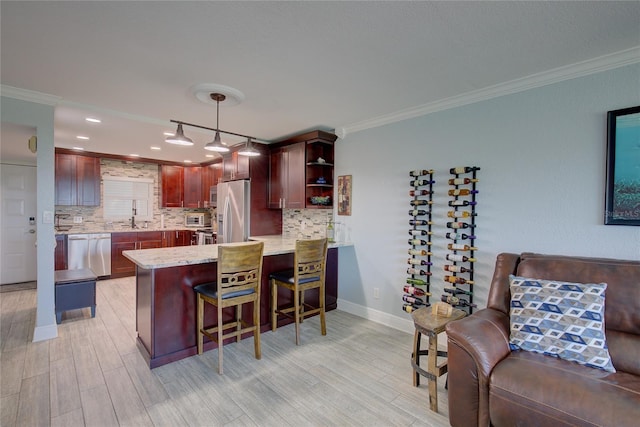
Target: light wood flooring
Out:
[359,374]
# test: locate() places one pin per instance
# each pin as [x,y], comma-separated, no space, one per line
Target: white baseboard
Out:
[404,324]
[46,332]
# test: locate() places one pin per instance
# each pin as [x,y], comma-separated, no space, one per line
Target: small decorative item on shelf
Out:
[321,180]
[419,270]
[321,200]
[459,278]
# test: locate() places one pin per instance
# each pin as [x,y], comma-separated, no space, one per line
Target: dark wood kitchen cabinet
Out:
[171,186]
[235,166]
[301,170]
[211,174]
[60,254]
[286,177]
[121,266]
[77,180]
[193,187]
[171,238]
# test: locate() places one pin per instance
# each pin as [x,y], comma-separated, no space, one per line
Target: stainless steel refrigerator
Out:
[234,200]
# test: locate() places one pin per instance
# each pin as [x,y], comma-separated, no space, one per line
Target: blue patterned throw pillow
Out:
[560,319]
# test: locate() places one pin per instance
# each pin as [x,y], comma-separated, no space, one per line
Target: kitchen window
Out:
[127,197]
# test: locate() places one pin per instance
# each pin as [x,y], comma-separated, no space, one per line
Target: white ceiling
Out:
[300,65]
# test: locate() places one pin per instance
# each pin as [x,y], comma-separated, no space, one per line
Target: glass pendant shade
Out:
[216,145]
[249,150]
[179,138]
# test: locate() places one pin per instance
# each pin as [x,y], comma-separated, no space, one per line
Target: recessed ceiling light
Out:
[93,120]
[84,138]
[208,155]
[78,148]
[187,161]
[134,155]
[169,134]
[153,147]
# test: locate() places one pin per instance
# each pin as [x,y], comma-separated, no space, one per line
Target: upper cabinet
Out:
[235,166]
[286,177]
[211,174]
[171,186]
[77,180]
[193,187]
[301,172]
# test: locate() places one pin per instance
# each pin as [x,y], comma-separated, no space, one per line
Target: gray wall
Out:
[542,154]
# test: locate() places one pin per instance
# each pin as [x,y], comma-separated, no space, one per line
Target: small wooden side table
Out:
[430,325]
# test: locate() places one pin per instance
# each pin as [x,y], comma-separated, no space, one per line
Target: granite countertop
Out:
[101,230]
[187,255]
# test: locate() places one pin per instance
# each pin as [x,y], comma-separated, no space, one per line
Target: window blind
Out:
[124,196]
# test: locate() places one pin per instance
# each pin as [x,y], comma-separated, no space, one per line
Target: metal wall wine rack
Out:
[416,290]
[461,225]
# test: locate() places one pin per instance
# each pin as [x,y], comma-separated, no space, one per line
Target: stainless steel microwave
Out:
[197,219]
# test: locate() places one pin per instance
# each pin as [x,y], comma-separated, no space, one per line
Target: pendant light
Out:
[216,144]
[249,150]
[179,138]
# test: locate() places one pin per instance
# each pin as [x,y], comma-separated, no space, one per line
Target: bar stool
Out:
[310,260]
[238,282]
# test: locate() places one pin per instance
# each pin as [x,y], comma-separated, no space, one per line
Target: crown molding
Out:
[29,95]
[568,72]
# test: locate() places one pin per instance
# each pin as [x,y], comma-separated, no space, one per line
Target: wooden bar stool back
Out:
[310,261]
[238,282]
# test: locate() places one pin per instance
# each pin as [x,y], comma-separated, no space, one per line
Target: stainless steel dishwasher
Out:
[90,251]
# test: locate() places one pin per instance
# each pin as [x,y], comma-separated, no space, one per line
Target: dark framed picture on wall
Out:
[622,198]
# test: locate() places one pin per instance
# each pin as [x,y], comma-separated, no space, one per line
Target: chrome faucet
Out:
[133,214]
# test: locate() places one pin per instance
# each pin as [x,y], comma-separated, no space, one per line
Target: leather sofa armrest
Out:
[476,345]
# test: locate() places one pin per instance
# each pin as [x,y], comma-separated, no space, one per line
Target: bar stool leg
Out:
[416,357]
[432,362]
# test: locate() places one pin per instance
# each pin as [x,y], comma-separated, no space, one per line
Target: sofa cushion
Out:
[561,319]
[532,389]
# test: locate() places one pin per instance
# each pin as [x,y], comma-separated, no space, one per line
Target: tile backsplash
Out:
[297,223]
[92,216]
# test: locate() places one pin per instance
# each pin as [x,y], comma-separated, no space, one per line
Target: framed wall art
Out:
[622,197]
[344,195]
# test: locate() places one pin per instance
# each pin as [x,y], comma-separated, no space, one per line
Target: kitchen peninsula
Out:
[166,303]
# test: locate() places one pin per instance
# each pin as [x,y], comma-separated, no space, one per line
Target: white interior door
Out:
[18,224]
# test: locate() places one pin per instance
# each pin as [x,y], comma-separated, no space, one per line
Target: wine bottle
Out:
[420,233]
[420,252]
[412,300]
[457,225]
[457,280]
[457,302]
[420,172]
[420,222]
[462,192]
[458,257]
[457,291]
[419,242]
[409,308]
[463,169]
[418,272]
[417,282]
[419,202]
[461,181]
[460,247]
[456,269]
[414,291]
[460,214]
[417,212]
[419,182]
[461,203]
[460,236]
[417,261]
[414,193]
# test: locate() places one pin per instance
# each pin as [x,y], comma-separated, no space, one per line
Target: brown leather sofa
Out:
[491,385]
